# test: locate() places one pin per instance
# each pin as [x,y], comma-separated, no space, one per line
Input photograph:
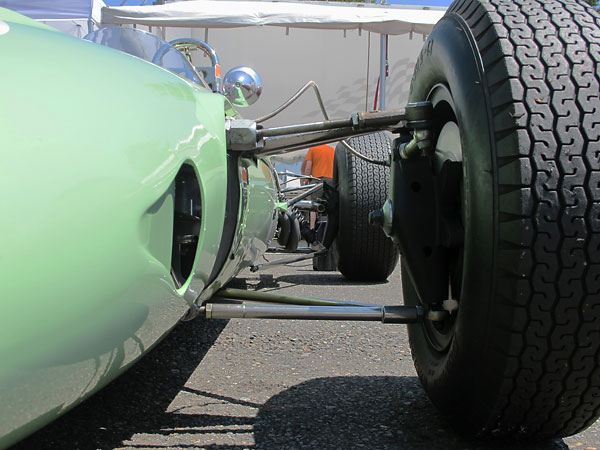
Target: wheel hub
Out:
[448,170]
[426,207]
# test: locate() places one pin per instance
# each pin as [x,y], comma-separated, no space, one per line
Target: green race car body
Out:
[111,167]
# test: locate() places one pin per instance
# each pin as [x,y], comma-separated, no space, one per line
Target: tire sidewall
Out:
[340,181]
[462,366]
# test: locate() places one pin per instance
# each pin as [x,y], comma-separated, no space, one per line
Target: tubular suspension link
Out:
[384,314]
[281,306]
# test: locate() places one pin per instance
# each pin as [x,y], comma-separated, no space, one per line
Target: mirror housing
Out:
[242,86]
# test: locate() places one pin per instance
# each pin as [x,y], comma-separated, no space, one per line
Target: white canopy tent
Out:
[316,15]
[291,42]
[312,15]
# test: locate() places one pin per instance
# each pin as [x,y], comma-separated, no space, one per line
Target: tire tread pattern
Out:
[364,252]
[542,65]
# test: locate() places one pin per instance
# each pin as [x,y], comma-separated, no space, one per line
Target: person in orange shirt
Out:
[319,164]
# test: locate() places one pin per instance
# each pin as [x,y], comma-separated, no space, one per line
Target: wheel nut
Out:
[376,217]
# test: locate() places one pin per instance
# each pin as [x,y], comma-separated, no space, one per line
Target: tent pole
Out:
[382,71]
[368,65]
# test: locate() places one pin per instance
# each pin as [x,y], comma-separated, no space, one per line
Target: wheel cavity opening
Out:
[186,224]
[448,150]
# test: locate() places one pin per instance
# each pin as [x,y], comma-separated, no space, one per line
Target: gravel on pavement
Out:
[275,384]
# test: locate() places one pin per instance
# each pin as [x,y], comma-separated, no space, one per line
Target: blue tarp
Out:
[55,10]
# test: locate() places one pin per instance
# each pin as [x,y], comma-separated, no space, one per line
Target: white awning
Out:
[232,14]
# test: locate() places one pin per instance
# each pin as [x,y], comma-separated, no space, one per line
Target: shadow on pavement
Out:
[375,412]
[363,412]
[136,402]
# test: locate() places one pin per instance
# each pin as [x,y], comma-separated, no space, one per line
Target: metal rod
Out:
[292,259]
[308,205]
[358,124]
[393,314]
[382,70]
[272,141]
[196,43]
[268,297]
[294,177]
[298,175]
[295,97]
[379,162]
[285,144]
[304,128]
[322,106]
[305,194]
[301,188]
[277,251]
[357,121]
[368,64]
[387,119]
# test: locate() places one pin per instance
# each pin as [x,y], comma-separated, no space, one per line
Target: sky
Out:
[420,3]
[389,2]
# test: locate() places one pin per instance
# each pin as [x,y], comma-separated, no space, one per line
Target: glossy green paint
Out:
[91,141]
[257,219]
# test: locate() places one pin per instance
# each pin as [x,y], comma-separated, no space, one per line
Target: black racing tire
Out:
[294,237]
[521,356]
[362,251]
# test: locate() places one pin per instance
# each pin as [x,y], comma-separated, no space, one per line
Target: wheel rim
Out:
[447,148]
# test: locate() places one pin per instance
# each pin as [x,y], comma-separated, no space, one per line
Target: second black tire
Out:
[363,252]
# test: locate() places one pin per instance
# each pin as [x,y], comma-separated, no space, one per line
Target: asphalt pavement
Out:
[274,384]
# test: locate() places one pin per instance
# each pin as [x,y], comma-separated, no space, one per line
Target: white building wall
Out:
[286,60]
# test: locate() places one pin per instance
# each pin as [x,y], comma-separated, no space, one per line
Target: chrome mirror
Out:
[242,86]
